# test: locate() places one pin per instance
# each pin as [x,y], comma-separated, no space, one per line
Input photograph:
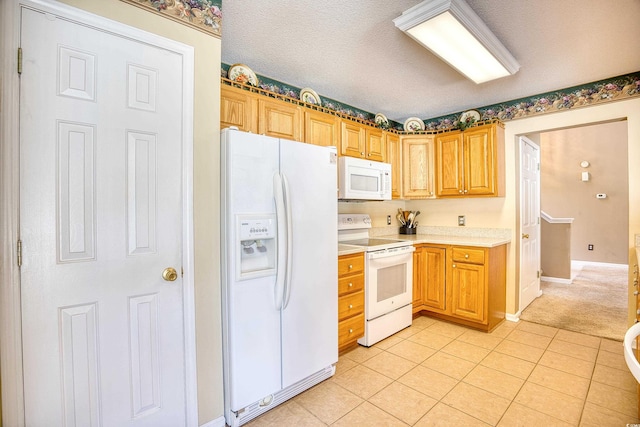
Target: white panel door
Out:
[101,218]
[529,222]
[310,319]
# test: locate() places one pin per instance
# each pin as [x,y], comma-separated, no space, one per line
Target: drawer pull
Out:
[466,255]
[350,331]
[350,266]
[350,305]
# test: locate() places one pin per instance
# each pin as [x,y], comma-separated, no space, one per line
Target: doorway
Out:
[584,177]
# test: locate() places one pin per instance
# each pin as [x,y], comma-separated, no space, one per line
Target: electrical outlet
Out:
[388,219]
[590,247]
[461,220]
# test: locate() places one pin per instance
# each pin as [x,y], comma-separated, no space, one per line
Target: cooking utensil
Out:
[410,219]
[400,219]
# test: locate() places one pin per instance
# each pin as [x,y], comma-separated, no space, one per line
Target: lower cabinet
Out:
[350,300]
[462,284]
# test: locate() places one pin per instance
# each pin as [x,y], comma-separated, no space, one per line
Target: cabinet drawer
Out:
[473,256]
[350,330]
[350,264]
[350,284]
[350,305]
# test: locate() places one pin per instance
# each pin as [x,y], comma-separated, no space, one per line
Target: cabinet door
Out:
[417,167]
[374,145]
[433,278]
[479,173]
[321,129]
[418,258]
[468,291]
[449,164]
[279,119]
[392,143]
[352,139]
[238,108]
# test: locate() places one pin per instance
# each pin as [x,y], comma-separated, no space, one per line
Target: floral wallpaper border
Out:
[203,15]
[612,89]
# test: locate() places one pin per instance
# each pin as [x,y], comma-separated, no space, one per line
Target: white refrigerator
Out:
[279,270]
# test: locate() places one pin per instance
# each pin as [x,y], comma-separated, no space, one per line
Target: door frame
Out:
[10,301]
[521,141]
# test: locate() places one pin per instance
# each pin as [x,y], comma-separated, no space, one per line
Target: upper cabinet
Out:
[470,163]
[394,157]
[279,119]
[238,108]
[418,167]
[358,140]
[321,128]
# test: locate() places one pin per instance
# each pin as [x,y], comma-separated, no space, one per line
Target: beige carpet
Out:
[595,303]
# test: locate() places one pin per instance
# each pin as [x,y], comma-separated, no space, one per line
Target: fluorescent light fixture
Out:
[452,30]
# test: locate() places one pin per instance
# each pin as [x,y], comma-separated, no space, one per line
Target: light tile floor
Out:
[436,373]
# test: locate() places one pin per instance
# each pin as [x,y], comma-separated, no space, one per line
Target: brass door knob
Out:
[170,274]
[525,236]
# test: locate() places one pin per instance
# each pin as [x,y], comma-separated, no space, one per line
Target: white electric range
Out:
[388,278]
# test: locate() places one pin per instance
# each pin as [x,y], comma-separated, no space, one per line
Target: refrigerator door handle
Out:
[289,262]
[281,219]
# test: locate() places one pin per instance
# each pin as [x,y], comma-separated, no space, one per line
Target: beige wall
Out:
[206,183]
[555,249]
[600,222]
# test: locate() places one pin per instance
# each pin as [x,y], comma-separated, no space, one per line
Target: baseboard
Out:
[556,280]
[513,317]
[218,422]
[601,264]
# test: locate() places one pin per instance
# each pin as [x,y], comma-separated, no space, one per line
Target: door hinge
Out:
[19,60]
[19,250]
[538,166]
[538,220]
[538,273]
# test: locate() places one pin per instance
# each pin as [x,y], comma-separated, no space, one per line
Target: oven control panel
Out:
[353,221]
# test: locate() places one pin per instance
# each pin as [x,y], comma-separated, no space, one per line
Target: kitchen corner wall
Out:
[206,183]
[600,222]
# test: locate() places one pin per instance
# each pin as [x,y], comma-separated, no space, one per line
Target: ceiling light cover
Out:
[453,31]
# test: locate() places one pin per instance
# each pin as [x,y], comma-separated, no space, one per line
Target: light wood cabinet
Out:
[321,128]
[350,300]
[358,140]
[418,167]
[394,157]
[429,282]
[238,108]
[461,284]
[374,144]
[279,119]
[470,163]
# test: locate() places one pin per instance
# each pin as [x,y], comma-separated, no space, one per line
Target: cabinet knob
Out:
[350,266]
[453,266]
[460,191]
[350,285]
[350,331]
[350,305]
[362,153]
[466,191]
[466,255]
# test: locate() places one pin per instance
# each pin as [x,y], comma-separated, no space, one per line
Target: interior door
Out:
[529,222]
[101,218]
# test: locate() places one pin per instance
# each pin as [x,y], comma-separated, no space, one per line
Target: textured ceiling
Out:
[352,52]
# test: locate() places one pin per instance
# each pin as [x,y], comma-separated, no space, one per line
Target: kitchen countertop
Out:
[349,249]
[436,239]
[441,239]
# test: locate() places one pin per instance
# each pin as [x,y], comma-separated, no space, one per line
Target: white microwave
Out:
[362,179]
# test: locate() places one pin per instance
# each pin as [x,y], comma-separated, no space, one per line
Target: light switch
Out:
[585,176]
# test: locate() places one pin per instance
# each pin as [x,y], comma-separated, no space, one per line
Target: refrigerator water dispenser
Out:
[257,245]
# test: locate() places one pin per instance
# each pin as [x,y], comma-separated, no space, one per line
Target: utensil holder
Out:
[407,230]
